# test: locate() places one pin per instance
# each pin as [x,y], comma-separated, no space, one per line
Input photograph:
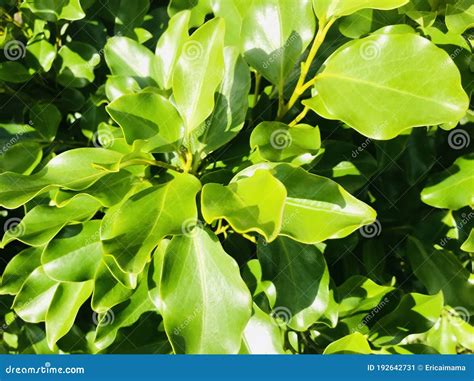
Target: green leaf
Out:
[155,273]
[251,204]
[43,222]
[169,47]
[43,53]
[123,315]
[126,57]
[460,16]
[65,304]
[108,190]
[327,9]
[19,268]
[128,15]
[301,278]
[198,73]
[350,166]
[54,10]
[45,118]
[316,208]
[75,254]
[75,169]
[262,335]
[231,106]
[78,61]
[15,72]
[416,313]
[453,188]
[361,294]
[427,86]
[32,302]
[141,117]
[355,343]
[118,85]
[468,244]
[131,231]
[108,291]
[277,142]
[441,270]
[275,33]
[210,314]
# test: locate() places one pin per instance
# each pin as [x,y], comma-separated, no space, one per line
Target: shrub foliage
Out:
[236,176]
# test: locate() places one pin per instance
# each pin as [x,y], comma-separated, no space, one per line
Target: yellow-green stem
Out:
[301,86]
[300,117]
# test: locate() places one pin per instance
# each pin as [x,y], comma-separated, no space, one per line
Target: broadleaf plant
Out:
[236,176]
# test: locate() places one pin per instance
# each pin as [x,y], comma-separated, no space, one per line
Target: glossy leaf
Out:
[127,57]
[327,9]
[314,201]
[427,86]
[75,254]
[123,315]
[442,270]
[354,343]
[277,142]
[132,231]
[252,204]
[415,313]
[75,169]
[35,296]
[262,335]
[231,106]
[453,188]
[65,304]
[301,278]
[56,10]
[460,16]
[150,117]
[275,33]
[169,47]
[77,64]
[19,268]
[43,222]
[211,314]
[198,73]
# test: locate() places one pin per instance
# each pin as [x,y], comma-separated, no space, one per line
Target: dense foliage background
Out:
[236,176]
